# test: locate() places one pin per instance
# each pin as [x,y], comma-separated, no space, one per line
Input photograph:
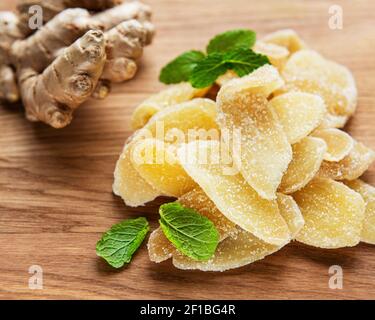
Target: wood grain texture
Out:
[55,185]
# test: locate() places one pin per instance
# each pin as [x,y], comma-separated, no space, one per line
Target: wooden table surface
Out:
[55,185]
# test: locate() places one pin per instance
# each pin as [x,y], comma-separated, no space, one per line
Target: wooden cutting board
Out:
[55,185]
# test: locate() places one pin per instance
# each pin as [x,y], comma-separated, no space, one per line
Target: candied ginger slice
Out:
[231,253]
[333,121]
[264,151]
[308,71]
[368,194]
[339,143]
[291,213]
[173,123]
[156,163]
[128,184]
[307,158]
[232,195]
[277,55]
[237,249]
[159,247]
[333,214]
[263,81]
[199,201]
[286,38]
[351,167]
[299,113]
[173,94]
[170,124]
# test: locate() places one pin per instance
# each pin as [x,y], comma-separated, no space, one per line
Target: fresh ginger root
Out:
[9,32]
[125,45]
[53,7]
[52,96]
[75,55]
[41,48]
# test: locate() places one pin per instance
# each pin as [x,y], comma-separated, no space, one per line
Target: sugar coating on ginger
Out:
[275,112]
[308,155]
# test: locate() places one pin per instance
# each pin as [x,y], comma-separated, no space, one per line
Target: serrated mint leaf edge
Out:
[136,241]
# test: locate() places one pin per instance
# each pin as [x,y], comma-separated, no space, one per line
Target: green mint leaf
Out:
[191,233]
[119,243]
[180,68]
[244,60]
[230,40]
[208,70]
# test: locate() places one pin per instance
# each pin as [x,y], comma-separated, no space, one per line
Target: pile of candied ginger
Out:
[290,173]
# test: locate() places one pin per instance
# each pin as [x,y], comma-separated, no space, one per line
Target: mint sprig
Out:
[118,244]
[241,60]
[227,51]
[191,233]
